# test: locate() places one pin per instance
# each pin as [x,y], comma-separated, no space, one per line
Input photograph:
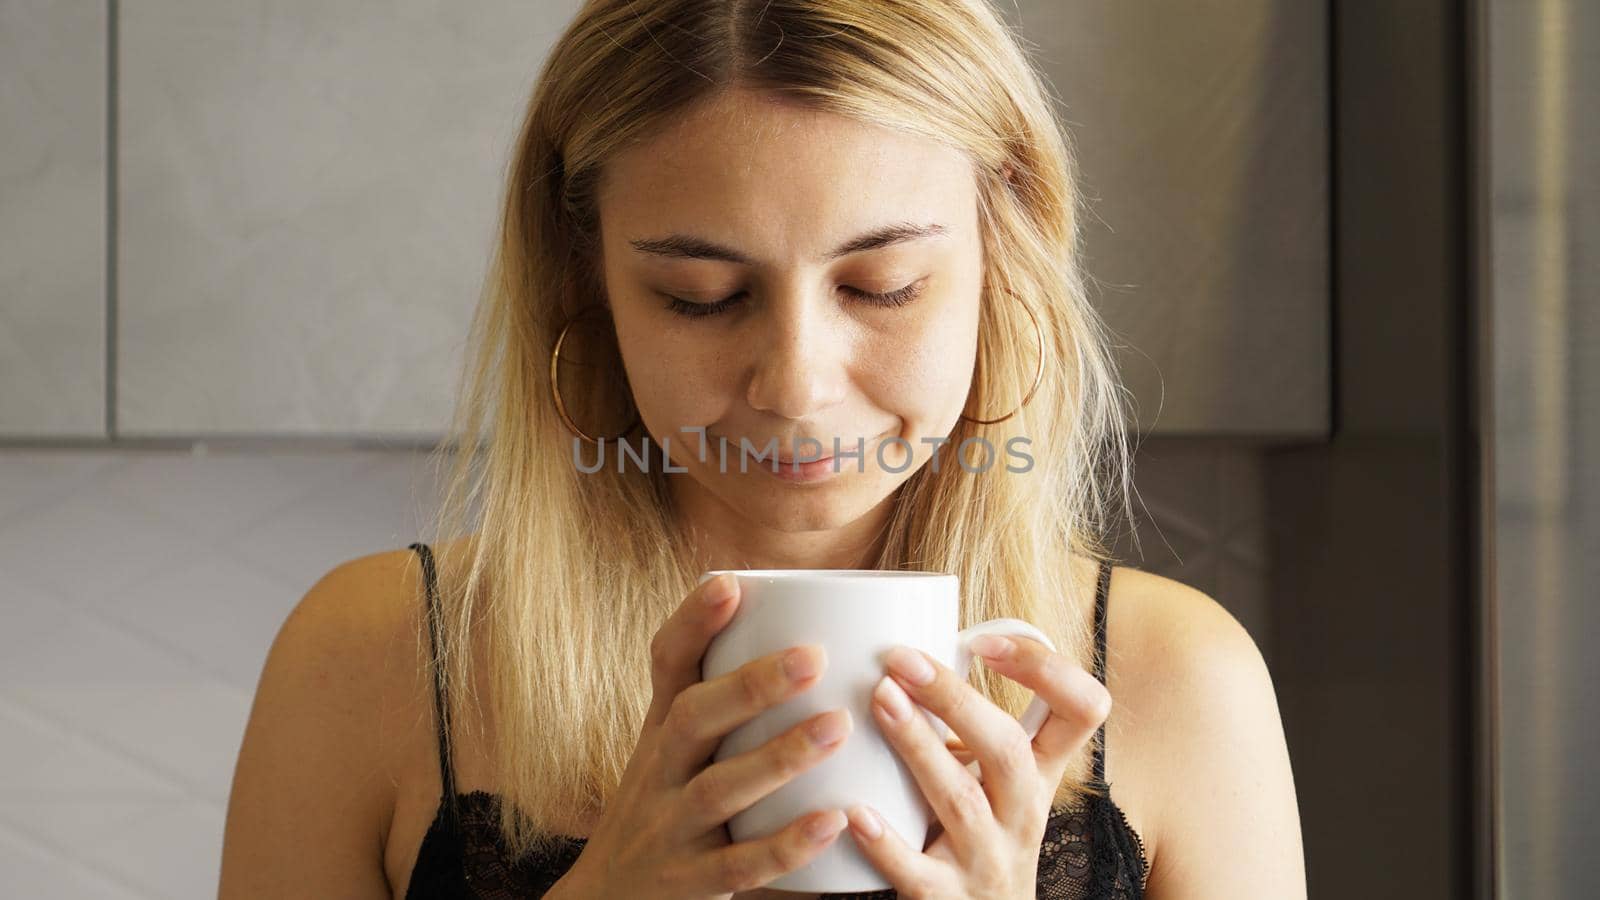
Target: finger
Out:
[706,711]
[680,643]
[1078,701]
[957,798]
[996,739]
[718,792]
[747,865]
[911,872]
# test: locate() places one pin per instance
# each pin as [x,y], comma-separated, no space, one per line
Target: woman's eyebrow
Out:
[683,246]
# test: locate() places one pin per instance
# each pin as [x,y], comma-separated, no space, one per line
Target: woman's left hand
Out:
[992,827]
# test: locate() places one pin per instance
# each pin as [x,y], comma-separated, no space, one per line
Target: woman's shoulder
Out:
[358,620]
[1159,629]
[365,619]
[372,606]
[357,639]
[373,610]
[365,622]
[334,722]
[1162,629]
[1192,705]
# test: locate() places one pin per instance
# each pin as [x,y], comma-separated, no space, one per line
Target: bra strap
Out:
[441,709]
[1101,597]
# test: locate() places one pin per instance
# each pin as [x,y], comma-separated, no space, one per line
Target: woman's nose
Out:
[799,357]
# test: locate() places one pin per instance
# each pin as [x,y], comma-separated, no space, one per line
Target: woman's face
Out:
[777,273]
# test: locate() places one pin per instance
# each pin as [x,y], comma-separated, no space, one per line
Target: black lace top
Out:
[1089,852]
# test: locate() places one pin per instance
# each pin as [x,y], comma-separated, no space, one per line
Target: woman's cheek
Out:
[679,395]
[934,370]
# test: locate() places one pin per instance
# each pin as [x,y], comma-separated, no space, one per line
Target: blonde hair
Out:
[571,574]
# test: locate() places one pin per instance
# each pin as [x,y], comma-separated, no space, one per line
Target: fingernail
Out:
[822,827]
[866,823]
[993,646]
[910,664]
[720,589]
[892,699]
[826,730]
[799,665]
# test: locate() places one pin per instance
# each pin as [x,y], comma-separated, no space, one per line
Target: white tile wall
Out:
[140,592]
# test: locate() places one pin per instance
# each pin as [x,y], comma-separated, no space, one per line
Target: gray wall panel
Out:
[52,219]
[1202,131]
[308,194]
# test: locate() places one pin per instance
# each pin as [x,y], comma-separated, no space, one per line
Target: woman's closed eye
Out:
[897,297]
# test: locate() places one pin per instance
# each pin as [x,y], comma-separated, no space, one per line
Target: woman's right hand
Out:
[664,830]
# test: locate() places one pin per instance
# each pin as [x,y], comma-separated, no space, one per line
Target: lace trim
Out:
[1144,860]
[1089,852]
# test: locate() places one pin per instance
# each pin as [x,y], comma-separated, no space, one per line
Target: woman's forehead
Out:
[739,136]
[795,181]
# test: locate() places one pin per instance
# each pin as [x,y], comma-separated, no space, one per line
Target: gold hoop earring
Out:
[555,387]
[1038,374]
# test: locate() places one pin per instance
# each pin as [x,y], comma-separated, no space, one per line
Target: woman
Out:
[736,225]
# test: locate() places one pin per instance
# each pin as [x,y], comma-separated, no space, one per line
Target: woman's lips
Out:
[797,469]
[790,462]
[805,472]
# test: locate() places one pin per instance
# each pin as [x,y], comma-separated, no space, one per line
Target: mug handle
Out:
[1032,718]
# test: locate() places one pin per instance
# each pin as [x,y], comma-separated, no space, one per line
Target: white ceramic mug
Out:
[856,615]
